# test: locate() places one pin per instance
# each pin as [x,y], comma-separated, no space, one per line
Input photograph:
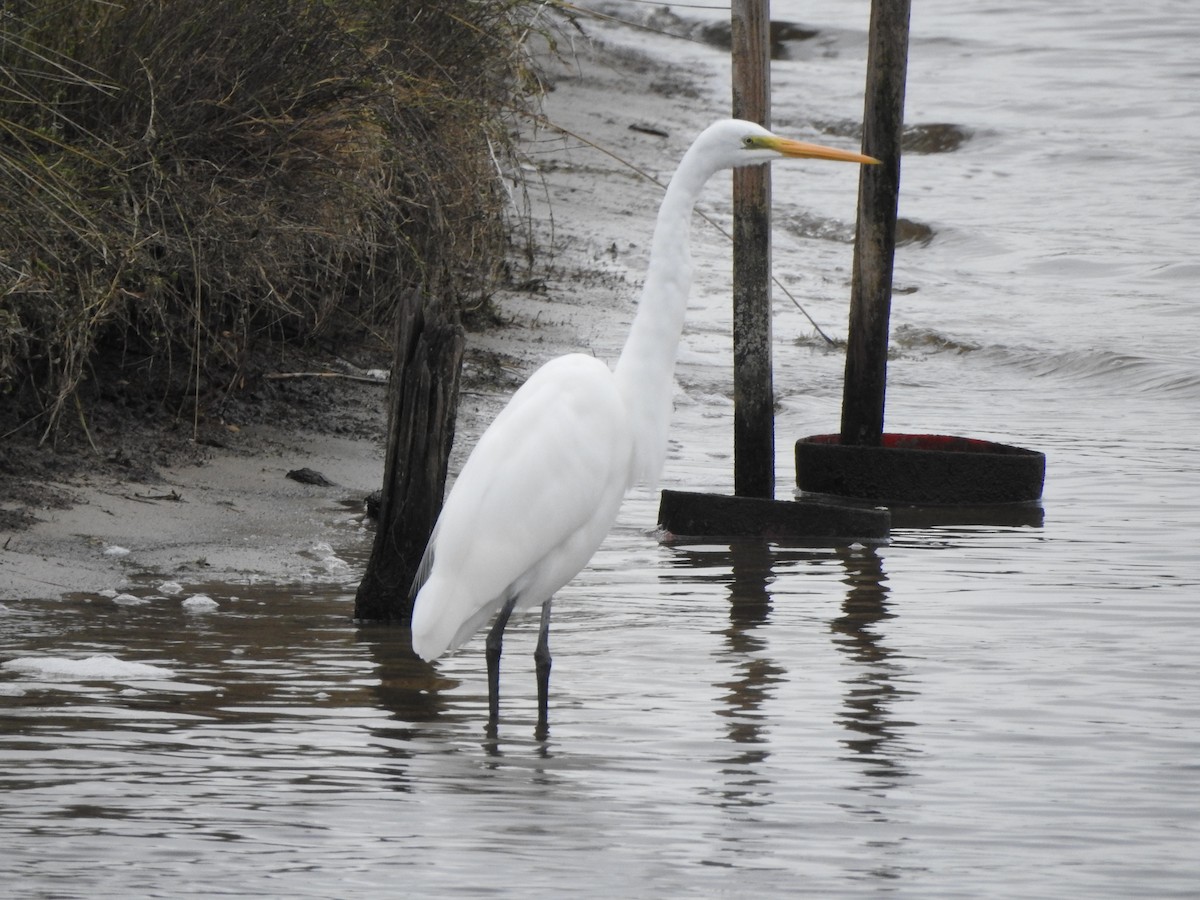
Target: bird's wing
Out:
[536,496]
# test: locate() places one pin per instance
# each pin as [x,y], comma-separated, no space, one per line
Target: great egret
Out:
[544,484]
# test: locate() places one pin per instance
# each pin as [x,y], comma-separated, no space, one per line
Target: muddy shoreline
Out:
[157,500]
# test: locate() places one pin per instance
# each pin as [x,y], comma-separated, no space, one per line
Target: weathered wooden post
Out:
[875,246]
[862,462]
[753,391]
[422,405]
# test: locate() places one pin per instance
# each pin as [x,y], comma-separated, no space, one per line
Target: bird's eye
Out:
[748,142]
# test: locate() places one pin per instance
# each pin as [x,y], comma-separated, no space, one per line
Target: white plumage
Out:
[544,484]
[532,504]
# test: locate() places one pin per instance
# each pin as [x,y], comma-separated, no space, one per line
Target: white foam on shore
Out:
[102,667]
[199,603]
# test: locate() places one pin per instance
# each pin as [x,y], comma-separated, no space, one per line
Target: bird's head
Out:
[730,143]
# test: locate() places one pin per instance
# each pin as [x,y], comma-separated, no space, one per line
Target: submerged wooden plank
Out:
[689,514]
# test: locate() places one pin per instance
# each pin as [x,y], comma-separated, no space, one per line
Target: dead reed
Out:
[188,179]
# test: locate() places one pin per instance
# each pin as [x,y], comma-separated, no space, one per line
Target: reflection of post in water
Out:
[871,693]
[749,607]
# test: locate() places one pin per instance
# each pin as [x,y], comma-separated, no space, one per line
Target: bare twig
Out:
[369,379]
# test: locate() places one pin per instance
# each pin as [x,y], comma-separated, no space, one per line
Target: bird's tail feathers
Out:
[423,570]
[444,619]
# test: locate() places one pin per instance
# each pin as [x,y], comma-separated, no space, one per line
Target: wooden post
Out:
[753,393]
[875,245]
[423,402]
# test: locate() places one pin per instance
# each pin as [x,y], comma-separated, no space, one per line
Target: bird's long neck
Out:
[645,372]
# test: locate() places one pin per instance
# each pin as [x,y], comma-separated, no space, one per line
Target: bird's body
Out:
[540,491]
[544,484]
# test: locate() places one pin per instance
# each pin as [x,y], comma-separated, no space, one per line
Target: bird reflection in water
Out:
[411,689]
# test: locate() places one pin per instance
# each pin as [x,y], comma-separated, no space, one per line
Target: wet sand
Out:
[235,515]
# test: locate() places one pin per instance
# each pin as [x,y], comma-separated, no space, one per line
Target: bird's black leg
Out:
[541,657]
[494,639]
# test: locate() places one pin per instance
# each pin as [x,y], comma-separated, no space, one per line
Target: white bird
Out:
[544,484]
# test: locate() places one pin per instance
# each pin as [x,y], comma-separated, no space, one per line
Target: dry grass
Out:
[187,179]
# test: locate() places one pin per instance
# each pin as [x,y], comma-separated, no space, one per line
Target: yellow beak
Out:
[801,150]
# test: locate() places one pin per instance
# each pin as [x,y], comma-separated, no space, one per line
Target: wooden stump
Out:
[422,405]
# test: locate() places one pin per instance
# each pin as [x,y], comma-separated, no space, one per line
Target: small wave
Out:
[911,232]
[1112,370]
[806,225]
[904,341]
[922,138]
[913,337]
[934,137]
[1185,272]
[1107,369]
[1124,371]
